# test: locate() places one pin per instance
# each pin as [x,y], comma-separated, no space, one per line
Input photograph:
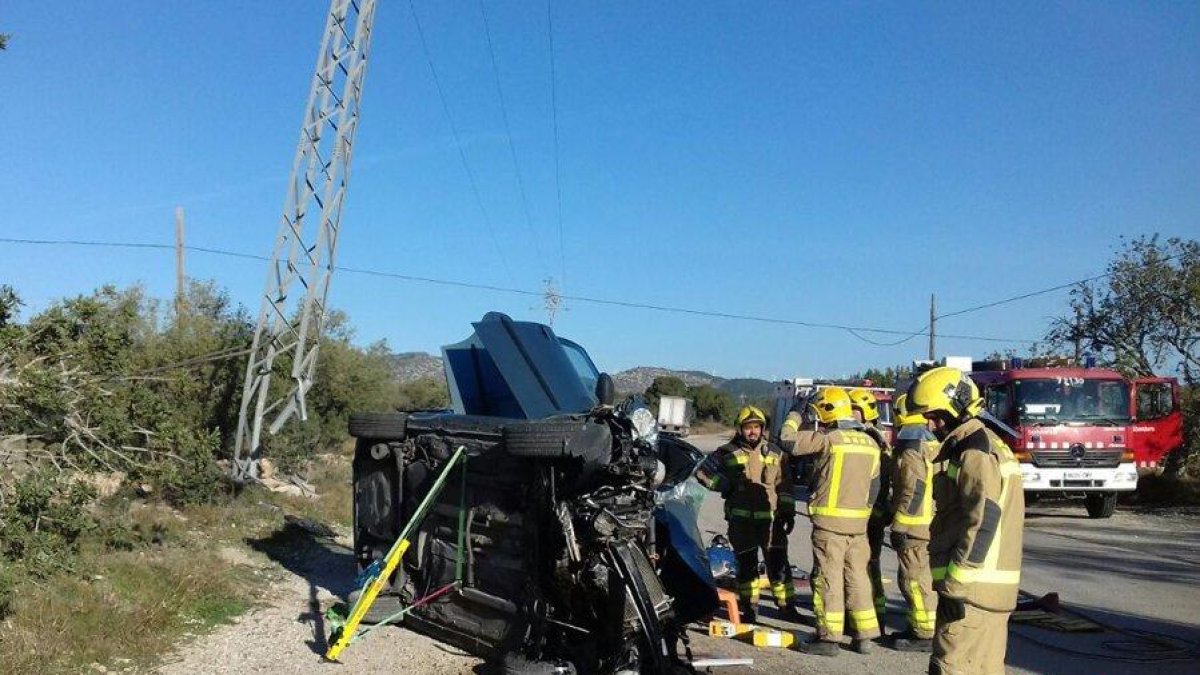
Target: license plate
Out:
[1072,475]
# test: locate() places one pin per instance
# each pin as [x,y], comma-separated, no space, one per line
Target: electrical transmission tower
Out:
[293,305]
[552,300]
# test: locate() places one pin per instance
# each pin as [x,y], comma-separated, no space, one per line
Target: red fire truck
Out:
[1081,430]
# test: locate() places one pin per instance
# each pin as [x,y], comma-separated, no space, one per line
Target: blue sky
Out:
[831,162]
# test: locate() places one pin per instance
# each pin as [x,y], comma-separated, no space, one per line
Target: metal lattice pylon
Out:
[293,305]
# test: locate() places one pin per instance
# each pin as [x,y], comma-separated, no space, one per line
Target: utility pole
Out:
[932,327]
[180,278]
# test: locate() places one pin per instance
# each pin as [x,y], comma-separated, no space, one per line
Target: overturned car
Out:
[566,535]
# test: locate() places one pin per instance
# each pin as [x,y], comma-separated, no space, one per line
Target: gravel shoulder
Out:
[287,634]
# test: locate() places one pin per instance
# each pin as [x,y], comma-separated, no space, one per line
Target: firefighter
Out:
[912,503]
[760,510]
[866,410]
[975,536]
[846,480]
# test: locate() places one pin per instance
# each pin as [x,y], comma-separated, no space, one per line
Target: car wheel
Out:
[378,424]
[1101,504]
[557,438]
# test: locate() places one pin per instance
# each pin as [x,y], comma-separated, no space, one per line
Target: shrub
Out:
[42,518]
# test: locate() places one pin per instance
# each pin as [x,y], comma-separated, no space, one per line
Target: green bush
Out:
[186,470]
[42,517]
[8,589]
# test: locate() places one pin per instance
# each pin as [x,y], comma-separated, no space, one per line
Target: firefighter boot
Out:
[908,641]
[821,648]
[862,645]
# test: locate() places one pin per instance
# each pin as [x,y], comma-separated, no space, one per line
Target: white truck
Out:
[675,415]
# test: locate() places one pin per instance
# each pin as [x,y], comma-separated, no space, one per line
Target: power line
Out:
[462,153]
[853,330]
[512,148]
[996,303]
[1024,296]
[562,256]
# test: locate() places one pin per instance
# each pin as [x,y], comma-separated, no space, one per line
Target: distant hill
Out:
[636,380]
[410,366]
[749,387]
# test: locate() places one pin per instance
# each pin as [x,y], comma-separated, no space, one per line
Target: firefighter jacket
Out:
[846,474]
[979,515]
[912,481]
[881,508]
[752,479]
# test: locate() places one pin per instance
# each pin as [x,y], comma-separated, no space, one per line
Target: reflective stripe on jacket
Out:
[753,482]
[846,476]
[912,481]
[978,522]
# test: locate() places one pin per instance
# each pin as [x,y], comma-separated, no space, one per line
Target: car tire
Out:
[557,438]
[1101,504]
[382,425]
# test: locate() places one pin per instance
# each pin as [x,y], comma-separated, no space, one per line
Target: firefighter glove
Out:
[951,609]
[899,541]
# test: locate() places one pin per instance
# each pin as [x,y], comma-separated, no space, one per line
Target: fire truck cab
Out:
[1072,425]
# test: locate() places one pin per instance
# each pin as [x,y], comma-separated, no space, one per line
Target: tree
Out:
[712,404]
[665,385]
[1144,314]
[10,304]
[4,41]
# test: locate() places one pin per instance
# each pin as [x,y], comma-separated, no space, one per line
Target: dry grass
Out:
[708,428]
[123,609]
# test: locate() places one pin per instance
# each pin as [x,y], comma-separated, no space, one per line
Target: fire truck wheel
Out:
[1101,504]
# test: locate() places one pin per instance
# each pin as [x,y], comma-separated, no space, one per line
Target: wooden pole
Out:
[180,279]
[932,327]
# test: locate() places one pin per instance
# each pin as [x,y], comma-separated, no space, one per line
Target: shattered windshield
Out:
[1073,399]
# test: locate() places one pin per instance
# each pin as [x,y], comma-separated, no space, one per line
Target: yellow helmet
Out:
[944,389]
[903,416]
[832,404]
[750,415]
[865,401]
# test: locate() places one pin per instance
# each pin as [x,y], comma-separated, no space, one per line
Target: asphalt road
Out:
[1136,575]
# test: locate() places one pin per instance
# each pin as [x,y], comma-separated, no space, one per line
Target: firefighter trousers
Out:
[875,528]
[973,645]
[749,537]
[841,586]
[916,584]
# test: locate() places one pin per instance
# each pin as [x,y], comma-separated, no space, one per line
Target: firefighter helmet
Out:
[832,404]
[750,415]
[865,402]
[947,390]
[903,416]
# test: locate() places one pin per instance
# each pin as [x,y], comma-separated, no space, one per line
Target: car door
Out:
[1157,426]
